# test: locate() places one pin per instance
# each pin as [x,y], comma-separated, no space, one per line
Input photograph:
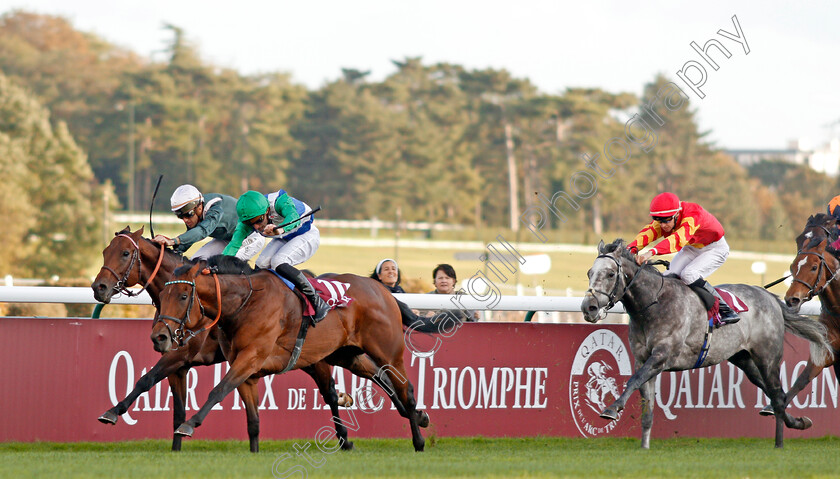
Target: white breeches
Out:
[294,251]
[692,263]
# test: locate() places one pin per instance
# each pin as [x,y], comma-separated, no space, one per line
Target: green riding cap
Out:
[250,205]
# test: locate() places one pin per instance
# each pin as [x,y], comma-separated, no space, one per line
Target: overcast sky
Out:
[785,88]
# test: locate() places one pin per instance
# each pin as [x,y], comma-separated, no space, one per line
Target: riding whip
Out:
[774,283]
[152,206]
[301,217]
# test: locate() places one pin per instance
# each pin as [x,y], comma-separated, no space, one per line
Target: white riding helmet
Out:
[185,197]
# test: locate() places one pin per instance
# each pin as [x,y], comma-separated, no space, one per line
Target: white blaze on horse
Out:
[670,331]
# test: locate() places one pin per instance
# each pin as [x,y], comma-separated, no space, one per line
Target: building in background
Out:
[824,158]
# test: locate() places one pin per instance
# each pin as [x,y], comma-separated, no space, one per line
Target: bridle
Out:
[121,287]
[613,296]
[812,288]
[182,333]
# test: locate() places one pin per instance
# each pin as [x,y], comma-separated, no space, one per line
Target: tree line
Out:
[83,119]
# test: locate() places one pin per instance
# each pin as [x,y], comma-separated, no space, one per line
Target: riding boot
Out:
[727,315]
[299,280]
[707,297]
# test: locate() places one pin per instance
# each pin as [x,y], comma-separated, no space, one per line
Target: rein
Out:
[121,287]
[178,335]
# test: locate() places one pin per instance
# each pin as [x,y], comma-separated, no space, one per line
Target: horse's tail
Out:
[415,322]
[813,331]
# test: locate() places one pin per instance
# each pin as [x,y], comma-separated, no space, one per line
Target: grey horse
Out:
[668,324]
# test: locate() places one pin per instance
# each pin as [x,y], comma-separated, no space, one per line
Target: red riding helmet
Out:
[665,204]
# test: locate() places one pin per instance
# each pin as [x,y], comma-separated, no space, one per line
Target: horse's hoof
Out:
[347,446]
[184,430]
[610,414]
[806,422]
[345,400]
[423,420]
[767,411]
[108,417]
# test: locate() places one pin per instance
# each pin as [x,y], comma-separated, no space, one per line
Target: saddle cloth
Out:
[331,291]
[733,301]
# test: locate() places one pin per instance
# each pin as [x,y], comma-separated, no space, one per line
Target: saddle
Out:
[735,304]
[331,291]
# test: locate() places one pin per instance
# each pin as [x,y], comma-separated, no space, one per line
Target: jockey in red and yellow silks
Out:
[697,238]
[695,226]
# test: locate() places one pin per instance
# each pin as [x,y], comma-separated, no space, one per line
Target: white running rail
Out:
[81,295]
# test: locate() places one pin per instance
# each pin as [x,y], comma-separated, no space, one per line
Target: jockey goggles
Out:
[664,219]
[188,211]
[256,221]
[188,214]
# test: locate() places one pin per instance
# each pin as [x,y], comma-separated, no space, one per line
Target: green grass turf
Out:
[444,457]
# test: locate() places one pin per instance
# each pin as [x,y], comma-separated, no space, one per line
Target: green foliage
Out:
[433,142]
[49,213]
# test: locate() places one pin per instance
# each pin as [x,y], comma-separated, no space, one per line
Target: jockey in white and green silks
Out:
[290,245]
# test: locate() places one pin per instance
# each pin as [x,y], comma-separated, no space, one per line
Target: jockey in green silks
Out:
[289,245]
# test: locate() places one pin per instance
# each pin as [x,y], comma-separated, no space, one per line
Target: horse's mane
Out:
[188,264]
[223,264]
[820,220]
[620,248]
[169,251]
[219,264]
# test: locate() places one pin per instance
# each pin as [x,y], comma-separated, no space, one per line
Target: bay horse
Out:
[814,270]
[668,323]
[130,259]
[261,318]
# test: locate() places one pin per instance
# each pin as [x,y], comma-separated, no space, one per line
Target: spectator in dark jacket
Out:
[445,281]
[388,273]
